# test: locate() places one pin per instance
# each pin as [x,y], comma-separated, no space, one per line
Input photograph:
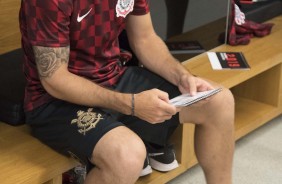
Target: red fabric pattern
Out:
[241,34]
[89,27]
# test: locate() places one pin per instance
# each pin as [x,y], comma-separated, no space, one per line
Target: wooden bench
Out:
[25,160]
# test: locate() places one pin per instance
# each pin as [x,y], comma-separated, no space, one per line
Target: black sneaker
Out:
[147,169]
[162,159]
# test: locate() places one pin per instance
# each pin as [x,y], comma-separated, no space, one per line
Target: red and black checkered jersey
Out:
[89,27]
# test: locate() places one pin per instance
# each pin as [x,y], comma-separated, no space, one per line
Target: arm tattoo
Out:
[48,59]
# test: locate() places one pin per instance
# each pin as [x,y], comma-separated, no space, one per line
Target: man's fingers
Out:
[192,86]
[163,96]
[167,108]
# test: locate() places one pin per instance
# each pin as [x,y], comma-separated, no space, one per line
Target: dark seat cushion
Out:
[12,83]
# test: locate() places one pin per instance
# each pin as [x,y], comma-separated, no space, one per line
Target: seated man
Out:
[81,101]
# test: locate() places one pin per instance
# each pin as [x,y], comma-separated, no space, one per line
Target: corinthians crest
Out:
[86,120]
[124,7]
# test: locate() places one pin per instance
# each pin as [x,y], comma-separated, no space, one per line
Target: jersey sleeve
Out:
[141,7]
[47,22]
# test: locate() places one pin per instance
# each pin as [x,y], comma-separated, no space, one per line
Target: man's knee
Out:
[218,108]
[226,99]
[121,152]
[223,106]
[130,155]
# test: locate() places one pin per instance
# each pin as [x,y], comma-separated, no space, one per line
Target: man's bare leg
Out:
[214,136]
[119,157]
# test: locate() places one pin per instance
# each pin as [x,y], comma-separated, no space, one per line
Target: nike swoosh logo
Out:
[79,19]
[155,154]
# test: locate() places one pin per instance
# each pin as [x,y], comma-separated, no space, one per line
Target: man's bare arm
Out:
[154,54]
[151,50]
[52,66]
[48,59]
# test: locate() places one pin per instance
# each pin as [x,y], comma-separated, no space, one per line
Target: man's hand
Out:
[153,106]
[191,84]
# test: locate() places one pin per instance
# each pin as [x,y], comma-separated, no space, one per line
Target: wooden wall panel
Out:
[9,25]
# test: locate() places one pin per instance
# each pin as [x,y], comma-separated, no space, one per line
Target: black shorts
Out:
[74,130]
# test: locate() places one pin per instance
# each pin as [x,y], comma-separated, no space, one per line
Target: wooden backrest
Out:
[9,25]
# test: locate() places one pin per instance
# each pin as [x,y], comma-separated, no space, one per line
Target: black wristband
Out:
[132,105]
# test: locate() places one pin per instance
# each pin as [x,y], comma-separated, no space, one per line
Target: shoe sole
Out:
[161,166]
[146,171]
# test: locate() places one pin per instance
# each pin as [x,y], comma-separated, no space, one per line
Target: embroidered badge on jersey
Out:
[124,7]
[86,120]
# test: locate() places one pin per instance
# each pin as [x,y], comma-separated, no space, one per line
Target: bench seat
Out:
[25,160]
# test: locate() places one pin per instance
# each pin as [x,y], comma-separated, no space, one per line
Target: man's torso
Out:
[90,28]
